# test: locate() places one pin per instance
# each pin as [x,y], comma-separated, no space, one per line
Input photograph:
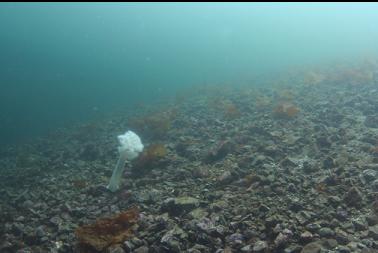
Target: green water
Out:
[63,63]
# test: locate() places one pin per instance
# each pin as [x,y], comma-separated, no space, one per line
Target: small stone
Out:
[369,175]
[198,213]
[40,232]
[142,249]
[177,206]
[341,236]
[293,249]
[198,248]
[359,224]
[353,197]
[296,205]
[291,188]
[247,249]
[374,185]
[371,121]
[236,239]
[129,246]
[367,242]
[372,219]
[280,240]
[353,246]
[6,246]
[18,228]
[313,227]
[115,249]
[260,246]
[28,204]
[312,247]
[334,200]
[343,249]
[136,241]
[170,239]
[20,219]
[264,208]
[55,220]
[306,236]
[226,178]
[328,163]
[373,232]
[330,243]
[341,214]
[326,232]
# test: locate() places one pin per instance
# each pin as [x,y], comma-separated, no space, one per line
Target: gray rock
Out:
[129,246]
[296,205]
[374,185]
[40,232]
[180,205]
[373,232]
[6,246]
[226,177]
[247,249]
[342,249]
[206,225]
[198,248]
[18,229]
[264,208]
[283,238]
[312,247]
[142,249]
[293,249]
[367,242]
[28,204]
[326,232]
[172,238]
[353,197]
[260,246]
[369,175]
[136,241]
[198,213]
[360,224]
[330,243]
[341,236]
[115,249]
[306,236]
[55,220]
[313,227]
[372,219]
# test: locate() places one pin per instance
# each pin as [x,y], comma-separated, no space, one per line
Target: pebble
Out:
[142,249]
[373,232]
[369,175]
[247,249]
[342,249]
[179,205]
[115,249]
[326,232]
[40,232]
[312,247]
[353,197]
[260,246]
[306,236]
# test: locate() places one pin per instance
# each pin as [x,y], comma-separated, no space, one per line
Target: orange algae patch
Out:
[374,150]
[107,231]
[231,111]
[150,157]
[321,187]
[79,183]
[285,110]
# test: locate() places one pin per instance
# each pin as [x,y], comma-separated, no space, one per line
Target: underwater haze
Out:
[188,127]
[63,63]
